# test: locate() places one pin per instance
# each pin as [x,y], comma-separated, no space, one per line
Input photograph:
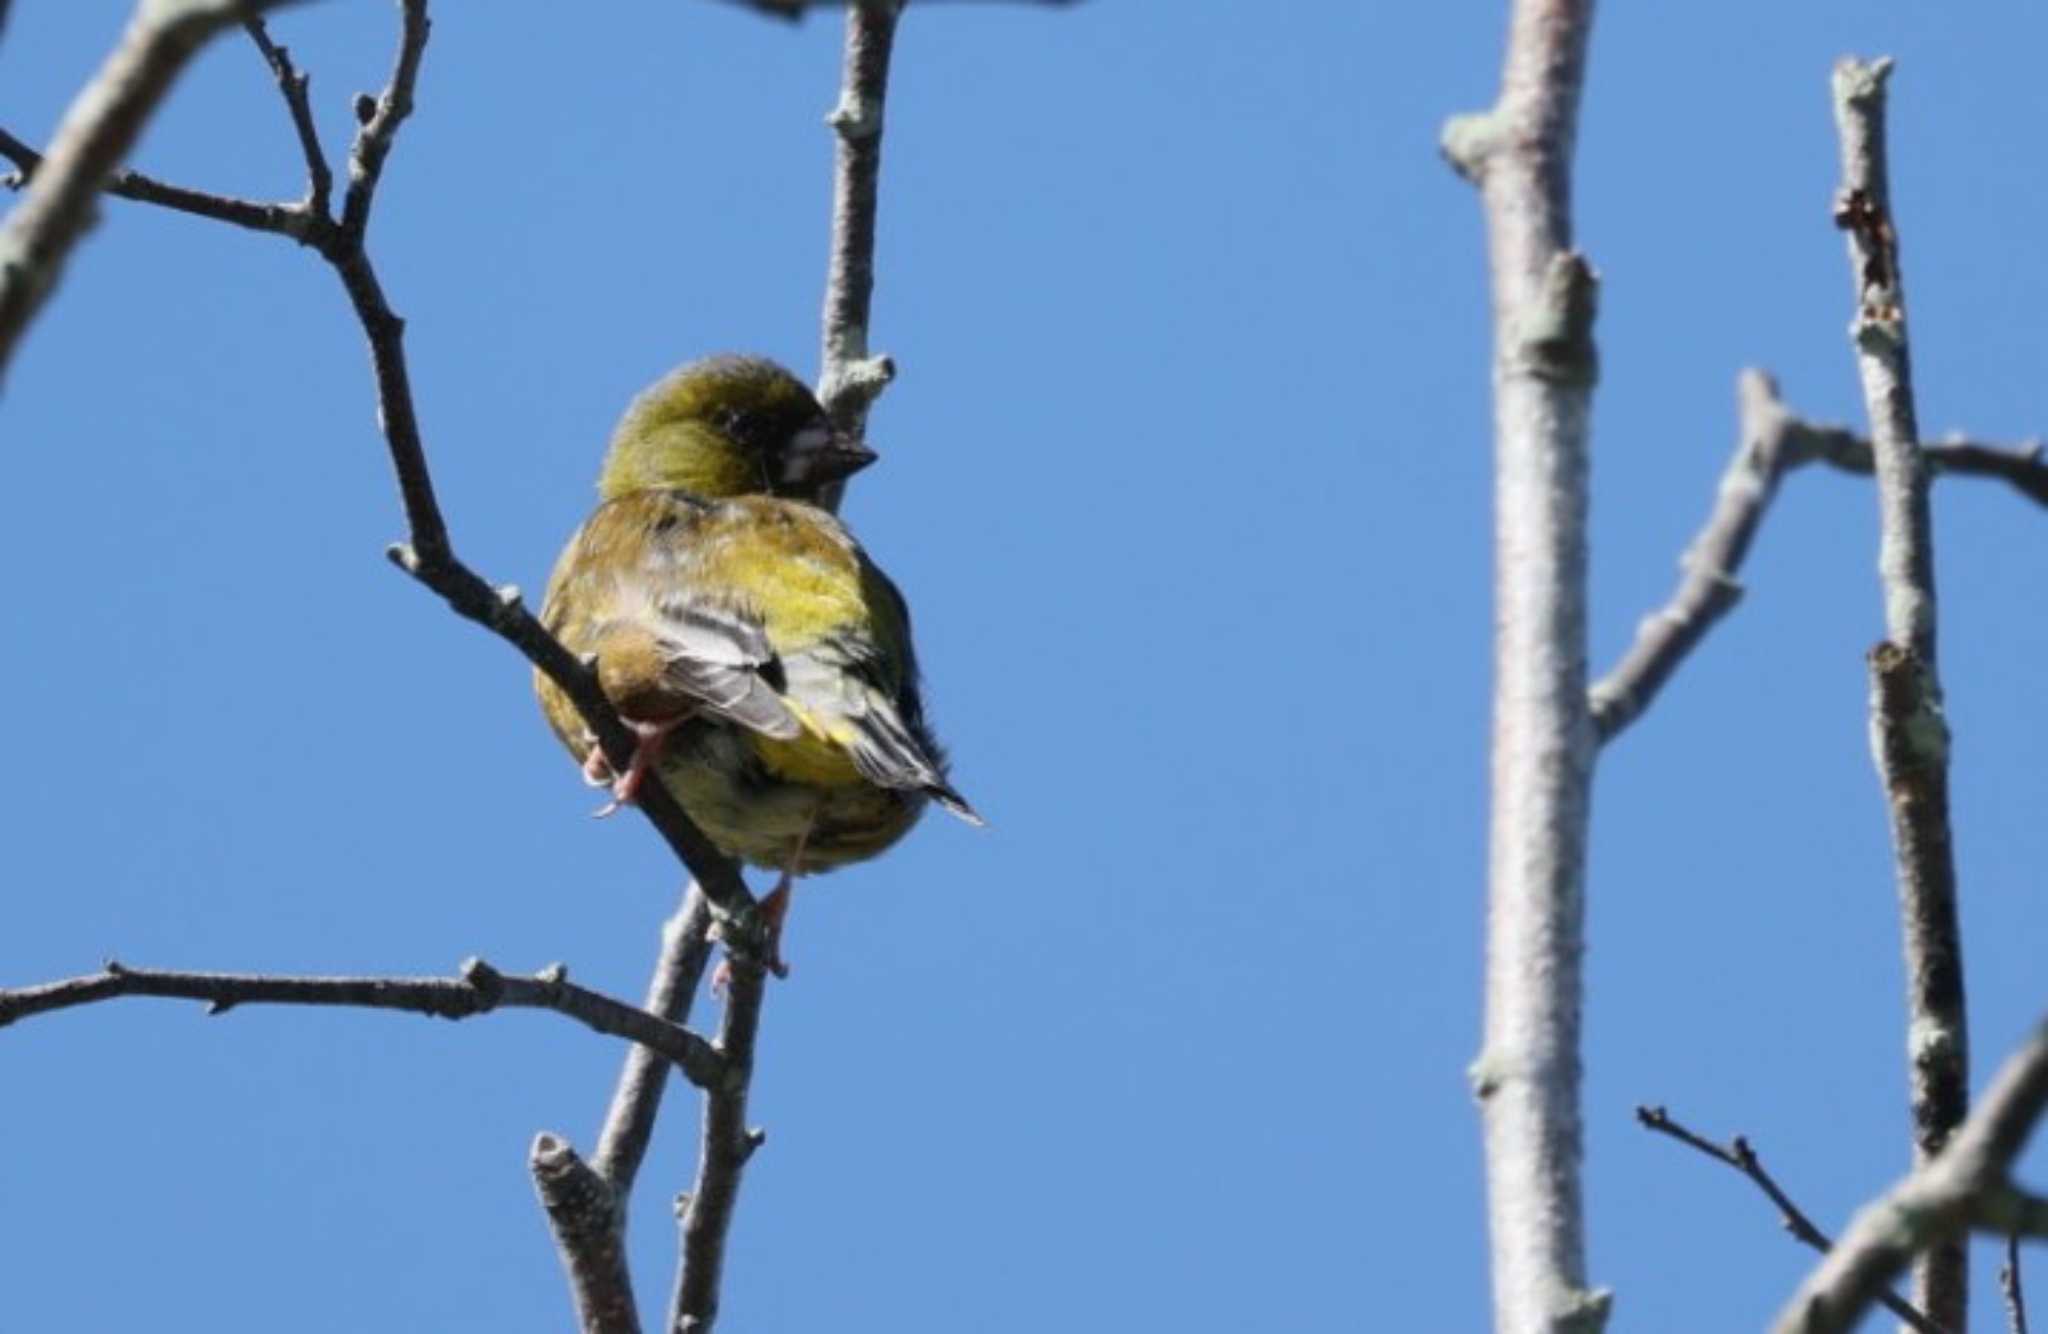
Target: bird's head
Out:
[729,426]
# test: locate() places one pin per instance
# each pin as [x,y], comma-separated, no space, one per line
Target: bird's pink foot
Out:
[626,787]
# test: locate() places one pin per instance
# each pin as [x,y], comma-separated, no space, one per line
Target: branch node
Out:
[114,968]
[1555,341]
[404,557]
[1467,141]
[554,975]
[486,981]
[365,108]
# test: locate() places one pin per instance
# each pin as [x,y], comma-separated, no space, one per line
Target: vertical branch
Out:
[1908,728]
[629,1123]
[726,1145]
[100,127]
[1519,154]
[849,380]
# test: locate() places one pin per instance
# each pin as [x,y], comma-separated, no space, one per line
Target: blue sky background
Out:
[1186,474]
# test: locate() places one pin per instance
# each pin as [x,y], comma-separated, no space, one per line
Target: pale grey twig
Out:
[1908,724]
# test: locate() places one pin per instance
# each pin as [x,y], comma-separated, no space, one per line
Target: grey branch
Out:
[1769,443]
[1739,1155]
[1964,1186]
[849,379]
[588,1220]
[102,124]
[1908,726]
[1519,154]
[629,1124]
[726,1143]
[479,989]
[586,1203]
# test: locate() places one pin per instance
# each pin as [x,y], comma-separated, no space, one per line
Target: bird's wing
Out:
[669,641]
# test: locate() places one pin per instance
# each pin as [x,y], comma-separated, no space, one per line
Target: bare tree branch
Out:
[1909,729]
[100,127]
[1963,1186]
[726,1145]
[1743,1158]
[479,990]
[793,10]
[295,87]
[629,1124]
[587,1204]
[849,379]
[1519,154]
[586,1215]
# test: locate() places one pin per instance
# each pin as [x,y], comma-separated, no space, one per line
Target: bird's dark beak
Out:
[841,457]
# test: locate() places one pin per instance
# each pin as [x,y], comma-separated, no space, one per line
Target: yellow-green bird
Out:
[764,660]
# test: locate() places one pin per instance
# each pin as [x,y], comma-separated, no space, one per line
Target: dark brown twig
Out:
[479,989]
[295,87]
[2009,1287]
[1739,1155]
[792,10]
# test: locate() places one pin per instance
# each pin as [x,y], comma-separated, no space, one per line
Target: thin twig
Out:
[479,989]
[726,1145]
[849,379]
[102,124]
[1770,443]
[295,87]
[1739,1155]
[2010,1288]
[793,10]
[1527,1076]
[1909,729]
[1964,1186]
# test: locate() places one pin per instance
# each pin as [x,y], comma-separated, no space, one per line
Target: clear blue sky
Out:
[1186,475]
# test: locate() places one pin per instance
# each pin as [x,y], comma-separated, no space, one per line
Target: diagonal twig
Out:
[725,1144]
[1770,443]
[479,989]
[2010,1289]
[1739,1155]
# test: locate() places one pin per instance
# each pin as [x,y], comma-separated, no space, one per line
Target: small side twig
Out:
[1739,1155]
[1770,443]
[479,989]
[1909,729]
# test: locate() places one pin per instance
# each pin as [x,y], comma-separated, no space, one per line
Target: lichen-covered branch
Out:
[1739,1155]
[94,137]
[1909,728]
[1519,154]
[1964,1186]
[479,989]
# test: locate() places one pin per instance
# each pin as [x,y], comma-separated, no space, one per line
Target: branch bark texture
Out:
[1527,1075]
[1909,728]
